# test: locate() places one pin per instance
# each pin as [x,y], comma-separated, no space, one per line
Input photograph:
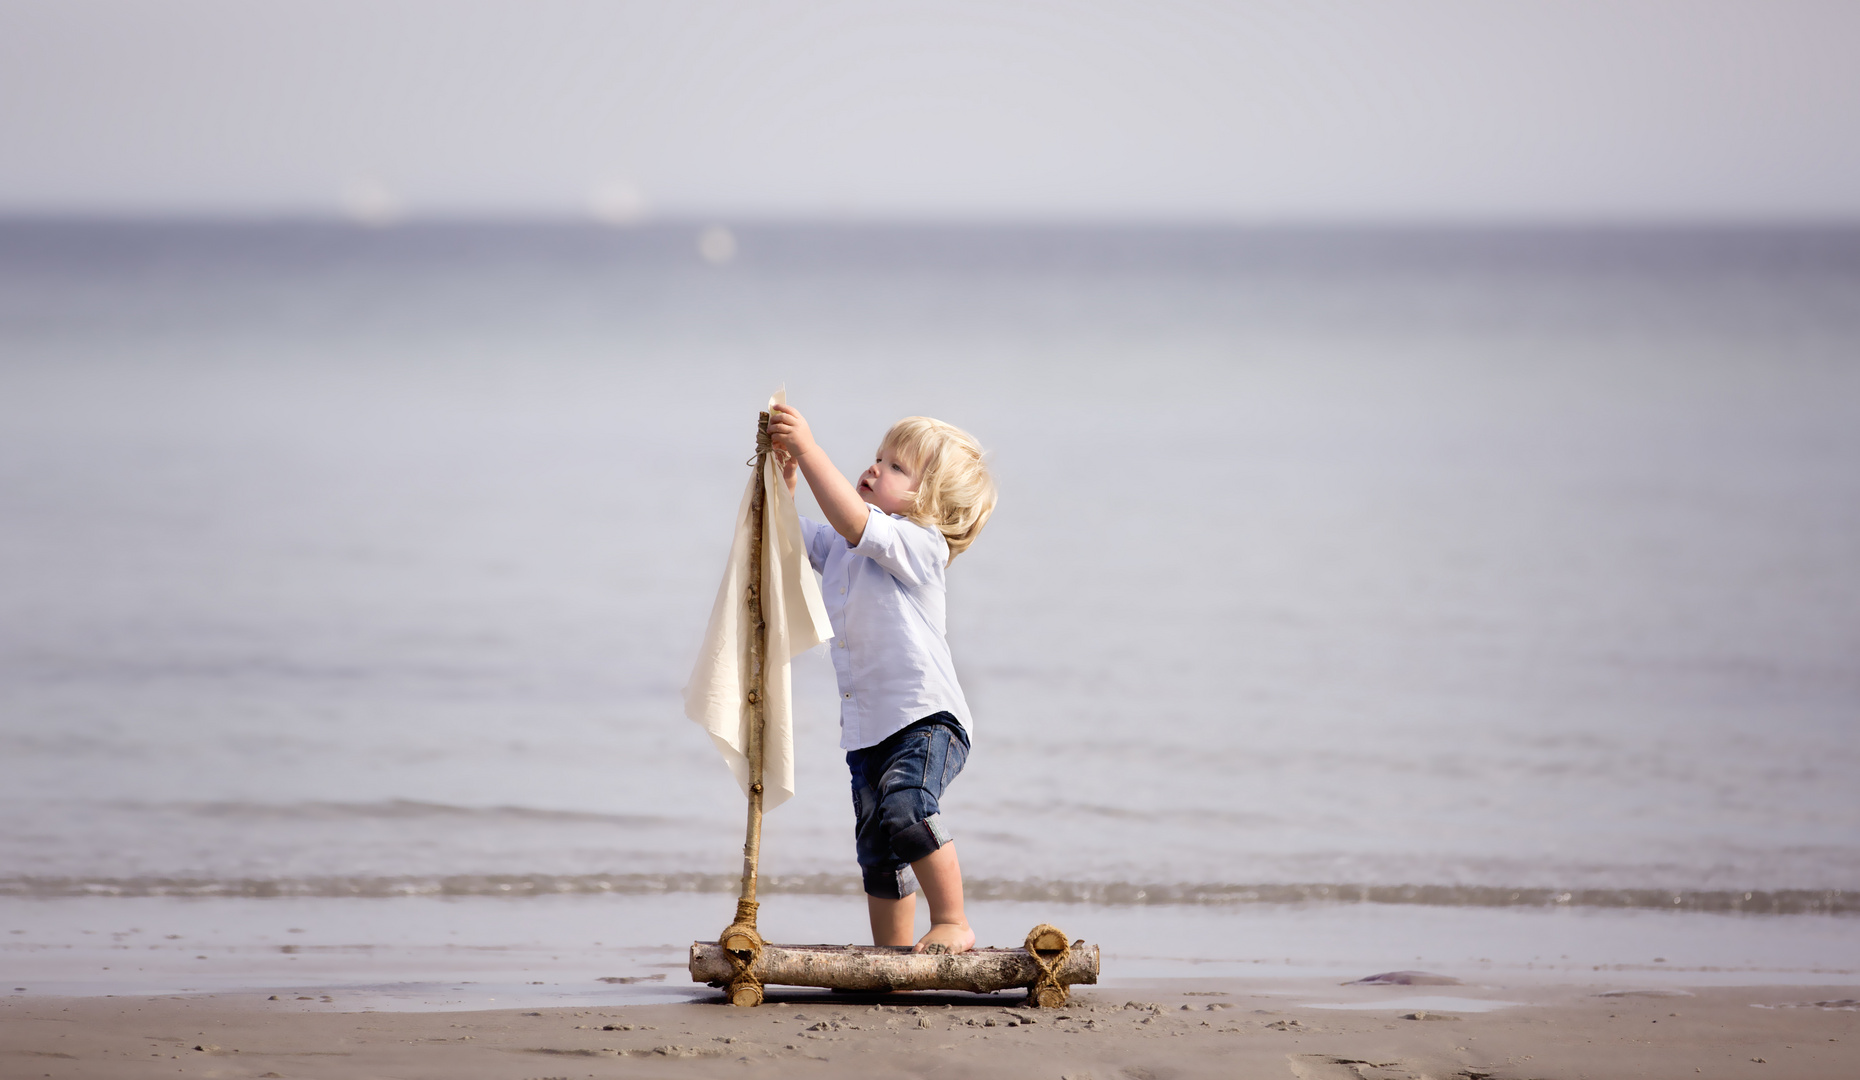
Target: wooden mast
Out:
[740,941]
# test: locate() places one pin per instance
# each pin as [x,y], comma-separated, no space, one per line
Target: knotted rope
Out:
[1043,942]
[742,945]
[763,443]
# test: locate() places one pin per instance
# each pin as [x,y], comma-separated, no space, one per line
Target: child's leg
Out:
[896,785]
[940,877]
[890,890]
[893,921]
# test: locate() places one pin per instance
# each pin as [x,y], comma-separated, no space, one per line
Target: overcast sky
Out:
[1384,110]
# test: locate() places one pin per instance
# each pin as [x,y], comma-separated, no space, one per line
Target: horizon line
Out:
[12,216]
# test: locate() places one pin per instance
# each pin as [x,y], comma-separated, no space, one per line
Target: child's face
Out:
[888,483]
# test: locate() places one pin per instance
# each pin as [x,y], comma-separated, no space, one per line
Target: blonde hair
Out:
[955,495]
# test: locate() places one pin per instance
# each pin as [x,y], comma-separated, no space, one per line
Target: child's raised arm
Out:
[843,508]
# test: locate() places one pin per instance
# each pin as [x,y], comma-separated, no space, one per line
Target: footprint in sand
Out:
[1327,1067]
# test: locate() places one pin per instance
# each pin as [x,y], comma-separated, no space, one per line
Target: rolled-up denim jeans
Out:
[896,786]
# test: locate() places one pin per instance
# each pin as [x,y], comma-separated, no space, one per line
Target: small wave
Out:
[391,809]
[1124,813]
[1761,902]
[509,885]
[1116,893]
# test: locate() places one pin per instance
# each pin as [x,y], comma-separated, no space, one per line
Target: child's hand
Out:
[791,435]
[843,508]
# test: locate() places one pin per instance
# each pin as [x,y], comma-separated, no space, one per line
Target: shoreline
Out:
[483,952]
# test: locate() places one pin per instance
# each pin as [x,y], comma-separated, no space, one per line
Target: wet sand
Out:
[1165,1029]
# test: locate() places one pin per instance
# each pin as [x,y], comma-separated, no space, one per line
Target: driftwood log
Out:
[880,968]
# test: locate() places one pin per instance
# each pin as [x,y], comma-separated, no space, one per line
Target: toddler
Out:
[882,555]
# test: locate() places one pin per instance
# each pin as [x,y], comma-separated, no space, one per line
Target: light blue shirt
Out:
[885,599]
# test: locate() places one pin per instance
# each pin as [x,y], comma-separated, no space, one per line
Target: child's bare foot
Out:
[947,938]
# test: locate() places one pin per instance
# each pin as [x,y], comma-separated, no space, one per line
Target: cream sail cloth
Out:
[717,697]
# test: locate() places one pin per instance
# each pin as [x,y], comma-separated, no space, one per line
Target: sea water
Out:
[1494,570]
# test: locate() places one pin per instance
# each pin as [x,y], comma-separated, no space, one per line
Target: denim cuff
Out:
[889,884]
[920,839]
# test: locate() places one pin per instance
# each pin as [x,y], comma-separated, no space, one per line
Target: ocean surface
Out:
[1490,569]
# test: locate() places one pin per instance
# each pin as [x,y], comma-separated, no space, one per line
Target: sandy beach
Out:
[1175,1028]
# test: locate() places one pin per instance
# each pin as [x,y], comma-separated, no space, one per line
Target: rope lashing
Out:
[1046,943]
[763,445]
[743,946]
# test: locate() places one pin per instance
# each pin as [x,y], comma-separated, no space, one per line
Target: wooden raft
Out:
[739,962]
